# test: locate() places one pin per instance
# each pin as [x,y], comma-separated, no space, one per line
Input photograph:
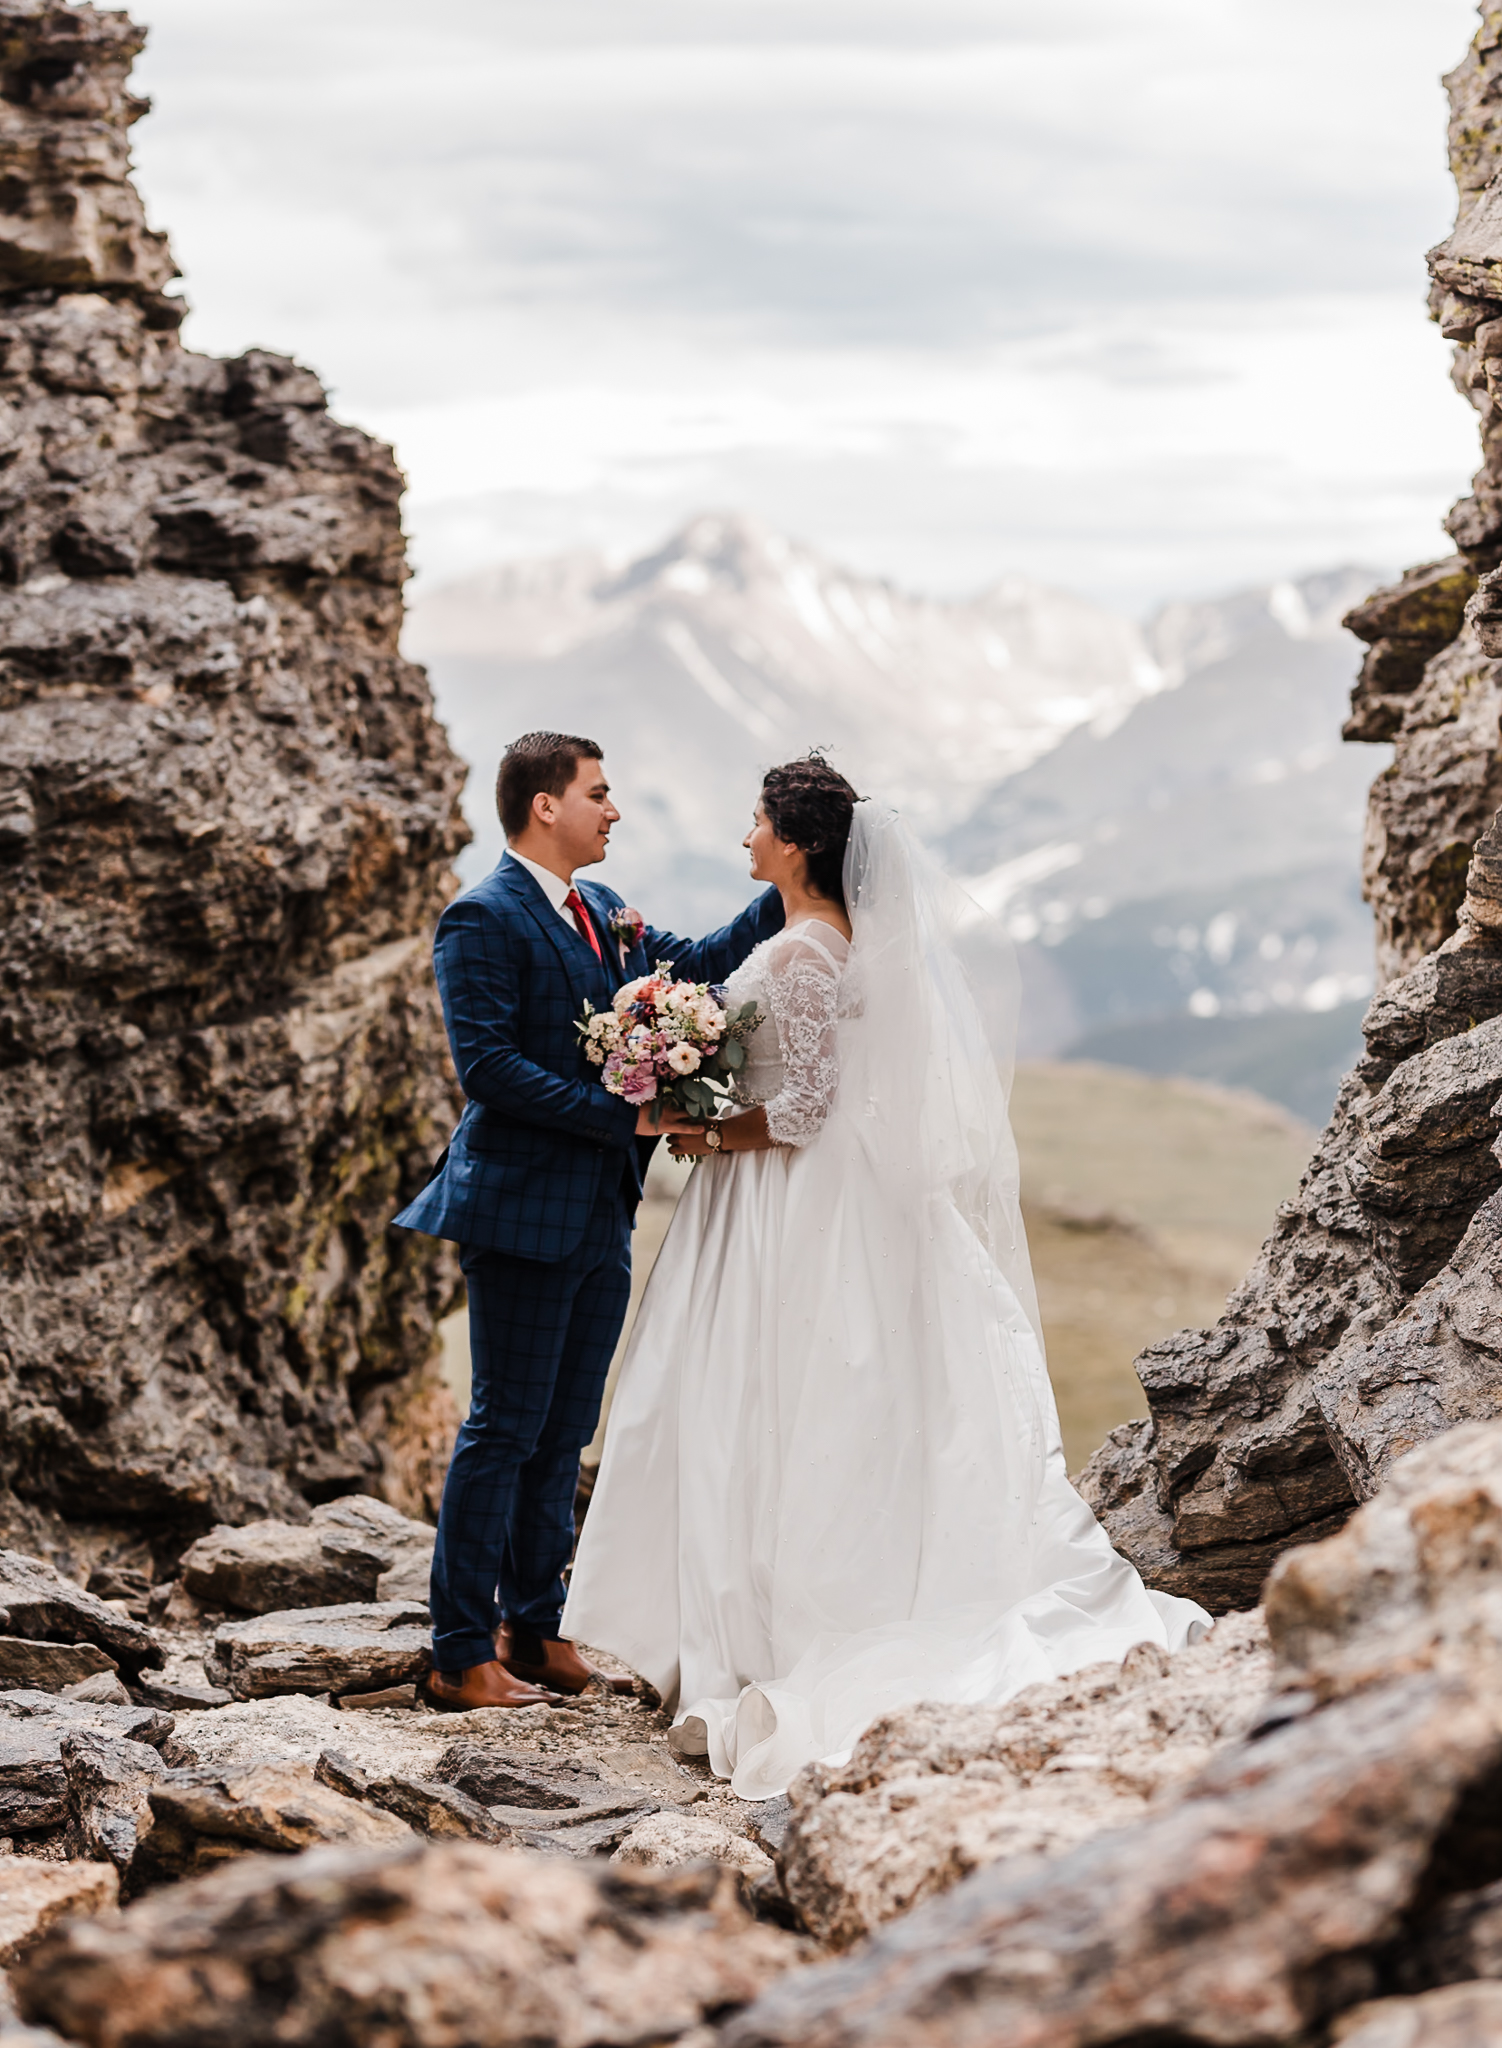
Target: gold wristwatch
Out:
[714,1138]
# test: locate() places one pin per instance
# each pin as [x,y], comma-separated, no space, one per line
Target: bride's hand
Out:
[748,1130]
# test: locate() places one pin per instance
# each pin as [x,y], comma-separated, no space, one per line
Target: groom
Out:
[539,1185]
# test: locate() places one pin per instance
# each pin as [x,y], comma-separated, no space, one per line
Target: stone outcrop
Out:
[1337,1850]
[932,1793]
[227,816]
[417,1945]
[1370,1321]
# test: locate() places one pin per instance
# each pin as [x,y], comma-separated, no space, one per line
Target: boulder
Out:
[270,1565]
[357,1647]
[351,1550]
[34,1896]
[518,1779]
[664,1840]
[932,1793]
[569,1806]
[1410,1583]
[103,1689]
[130,1723]
[181,1693]
[1246,1911]
[440,1811]
[419,1946]
[38,1759]
[202,1818]
[405,1545]
[1464,2016]
[1369,1324]
[49,1667]
[109,1787]
[40,1606]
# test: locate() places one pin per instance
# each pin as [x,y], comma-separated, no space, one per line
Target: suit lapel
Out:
[576,955]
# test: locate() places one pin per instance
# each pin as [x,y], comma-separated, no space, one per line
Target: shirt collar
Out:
[552,886]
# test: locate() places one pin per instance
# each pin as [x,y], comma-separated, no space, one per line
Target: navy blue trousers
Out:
[541,1338]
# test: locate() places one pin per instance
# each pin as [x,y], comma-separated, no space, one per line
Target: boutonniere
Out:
[626,926]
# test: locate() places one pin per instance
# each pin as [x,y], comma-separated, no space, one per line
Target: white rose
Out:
[683,1059]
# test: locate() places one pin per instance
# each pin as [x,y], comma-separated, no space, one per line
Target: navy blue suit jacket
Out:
[523,1168]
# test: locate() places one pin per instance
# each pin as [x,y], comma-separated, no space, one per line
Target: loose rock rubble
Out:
[44,1611]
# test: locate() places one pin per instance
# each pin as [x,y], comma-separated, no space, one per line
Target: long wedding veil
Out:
[924,1076]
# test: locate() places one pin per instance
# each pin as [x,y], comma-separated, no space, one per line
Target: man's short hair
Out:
[538,764]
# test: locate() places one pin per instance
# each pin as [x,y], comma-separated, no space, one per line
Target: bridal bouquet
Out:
[674,1043]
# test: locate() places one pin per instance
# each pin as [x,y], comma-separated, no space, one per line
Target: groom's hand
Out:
[664,1122]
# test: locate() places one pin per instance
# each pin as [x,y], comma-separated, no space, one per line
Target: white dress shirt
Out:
[551,885]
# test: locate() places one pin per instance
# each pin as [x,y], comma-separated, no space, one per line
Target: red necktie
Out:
[574,904]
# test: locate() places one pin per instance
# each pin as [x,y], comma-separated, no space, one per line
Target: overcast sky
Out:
[1128,297]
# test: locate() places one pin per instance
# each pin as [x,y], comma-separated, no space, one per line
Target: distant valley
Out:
[1163,815]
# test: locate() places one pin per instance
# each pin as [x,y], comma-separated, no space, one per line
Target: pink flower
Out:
[628,926]
[638,1084]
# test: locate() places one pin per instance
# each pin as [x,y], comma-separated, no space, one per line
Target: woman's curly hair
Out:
[810,805]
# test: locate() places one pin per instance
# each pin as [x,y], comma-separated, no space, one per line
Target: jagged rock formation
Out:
[932,1793]
[1338,1850]
[226,821]
[1373,1317]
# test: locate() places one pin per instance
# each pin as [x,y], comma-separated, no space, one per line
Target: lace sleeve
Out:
[803,980]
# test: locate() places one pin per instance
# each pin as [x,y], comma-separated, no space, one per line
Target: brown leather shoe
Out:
[482,1685]
[556,1663]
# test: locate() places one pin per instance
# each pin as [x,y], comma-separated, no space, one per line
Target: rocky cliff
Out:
[1373,1319]
[227,816]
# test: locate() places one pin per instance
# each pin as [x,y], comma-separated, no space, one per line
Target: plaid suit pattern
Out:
[524,1165]
[542,1337]
[539,1184]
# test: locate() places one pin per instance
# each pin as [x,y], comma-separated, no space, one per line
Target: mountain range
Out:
[1162,814]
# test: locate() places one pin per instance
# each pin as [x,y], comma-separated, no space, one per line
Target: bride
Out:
[833,1481]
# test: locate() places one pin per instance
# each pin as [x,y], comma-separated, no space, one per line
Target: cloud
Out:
[790,234]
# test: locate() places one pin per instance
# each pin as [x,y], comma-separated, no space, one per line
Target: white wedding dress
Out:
[833,1482]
